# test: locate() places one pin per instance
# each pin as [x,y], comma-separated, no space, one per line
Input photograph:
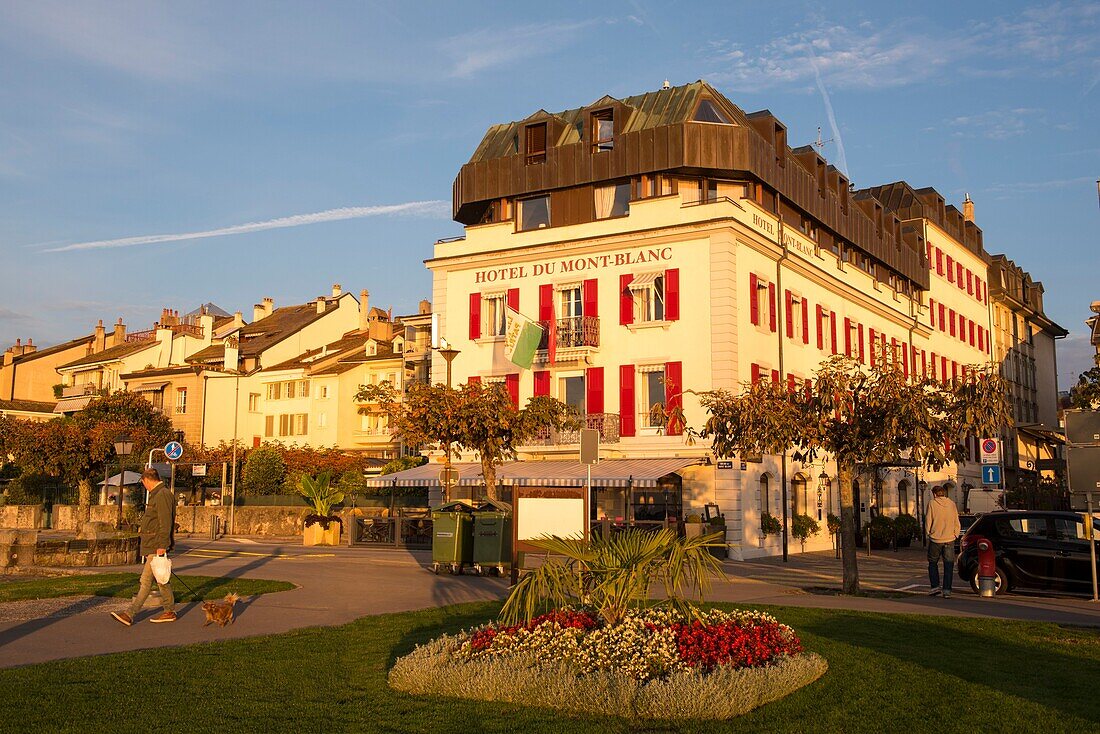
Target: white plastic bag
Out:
[162,568]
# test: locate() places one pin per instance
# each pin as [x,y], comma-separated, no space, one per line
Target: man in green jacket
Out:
[156,529]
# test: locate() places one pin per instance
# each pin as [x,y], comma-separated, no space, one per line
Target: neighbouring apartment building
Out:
[672,242]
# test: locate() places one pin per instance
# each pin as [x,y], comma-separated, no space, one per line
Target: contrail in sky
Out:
[842,159]
[414,208]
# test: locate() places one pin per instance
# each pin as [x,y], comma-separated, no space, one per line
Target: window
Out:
[535,143]
[572,392]
[288,390]
[534,213]
[765,498]
[269,426]
[254,402]
[322,420]
[603,131]
[707,111]
[1032,527]
[181,400]
[493,313]
[324,392]
[653,397]
[571,303]
[612,201]
[648,290]
[284,425]
[1073,530]
[303,388]
[274,391]
[295,424]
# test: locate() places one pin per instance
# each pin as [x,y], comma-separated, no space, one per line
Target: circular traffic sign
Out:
[448,476]
[989,446]
[173,450]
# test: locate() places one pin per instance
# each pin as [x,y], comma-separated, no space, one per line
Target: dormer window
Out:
[535,143]
[603,131]
[707,111]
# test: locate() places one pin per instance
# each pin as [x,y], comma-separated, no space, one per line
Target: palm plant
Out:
[614,573]
[320,494]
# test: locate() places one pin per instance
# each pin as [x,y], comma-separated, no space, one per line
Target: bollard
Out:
[987,568]
[215,521]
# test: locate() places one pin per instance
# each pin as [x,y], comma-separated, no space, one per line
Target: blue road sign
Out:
[173,450]
[991,474]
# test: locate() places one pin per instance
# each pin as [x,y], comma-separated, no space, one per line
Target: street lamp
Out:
[822,488]
[448,353]
[123,448]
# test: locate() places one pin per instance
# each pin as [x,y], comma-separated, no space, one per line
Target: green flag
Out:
[521,339]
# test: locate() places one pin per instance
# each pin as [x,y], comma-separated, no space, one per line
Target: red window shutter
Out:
[905,360]
[932,312]
[475,316]
[755,373]
[832,330]
[788,300]
[943,325]
[590,298]
[674,397]
[626,301]
[512,383]
[939,261]
[754,300]
[873,343]
[981,338]
[818,313]
[959,275]
[862,355]
[805,321]
[542,383]
[847,337]
[473,380]
[626,400]
[950,269]
[970,328]
[969,282]
[771,306]
[943,368]
[962,328]
[775,376]
[924,362]
[792,384]
[951,321]
[546,302]
[512,299]
[954,370]
[672,294]
[593,382]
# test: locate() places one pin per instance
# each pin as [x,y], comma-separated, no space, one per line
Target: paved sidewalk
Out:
[339,585]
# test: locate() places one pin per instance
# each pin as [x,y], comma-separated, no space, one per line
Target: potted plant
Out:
[802,527]
[906,528]
[769,525]
[693,526]
[881,529]
[321,526]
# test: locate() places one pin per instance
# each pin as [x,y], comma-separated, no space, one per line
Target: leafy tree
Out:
[474,417]
[858,416]
[1086,393]
[264,471]
[802,527]
[614,573]
[402,463]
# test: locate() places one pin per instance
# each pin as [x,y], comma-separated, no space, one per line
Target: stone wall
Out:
[65,516]
[23,517]
[25,548]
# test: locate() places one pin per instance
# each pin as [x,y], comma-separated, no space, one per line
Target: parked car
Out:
[965,521]
[1036,550]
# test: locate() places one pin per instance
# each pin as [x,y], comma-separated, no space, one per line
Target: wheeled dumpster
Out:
[452,536]
[493,537]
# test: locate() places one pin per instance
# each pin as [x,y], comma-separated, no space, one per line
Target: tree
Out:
[264,471]
[474,417]
[1086,393]
[858,416]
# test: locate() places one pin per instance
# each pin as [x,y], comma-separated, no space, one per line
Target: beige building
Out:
[674,243]
[30,373]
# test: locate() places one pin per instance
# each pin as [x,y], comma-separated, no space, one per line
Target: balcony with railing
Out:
[572,332]
[606,423]
[187,329]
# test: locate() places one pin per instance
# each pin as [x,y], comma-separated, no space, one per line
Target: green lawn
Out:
[126,584]
[888,673]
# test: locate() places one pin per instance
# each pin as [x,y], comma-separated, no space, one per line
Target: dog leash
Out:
[176,576]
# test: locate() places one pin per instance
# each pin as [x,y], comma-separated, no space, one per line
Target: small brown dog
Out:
[220,611]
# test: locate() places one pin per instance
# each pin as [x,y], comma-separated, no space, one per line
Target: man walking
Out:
[942,526]
[156,540]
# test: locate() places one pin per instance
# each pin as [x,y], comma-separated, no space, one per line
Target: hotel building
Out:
[676,243]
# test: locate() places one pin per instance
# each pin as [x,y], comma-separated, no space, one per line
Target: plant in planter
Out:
[802,527]
[881,529]
[769,525]
[906,528]
[321,526]
[693,526]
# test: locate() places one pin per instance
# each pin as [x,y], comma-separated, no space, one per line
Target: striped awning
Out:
[571,473]
[421,476]
[643,279]
[150,387]
[72,405]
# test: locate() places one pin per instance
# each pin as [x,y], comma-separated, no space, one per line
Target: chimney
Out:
[260,310]
[968,208]
[425,307]
[336,290]
[100,341]
[119,336]
[238,319]
[320,304]
[232,354]
[29,347]
[364,309]
[206,323]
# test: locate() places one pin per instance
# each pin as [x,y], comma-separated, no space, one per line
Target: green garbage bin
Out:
[493,537]
[452,536]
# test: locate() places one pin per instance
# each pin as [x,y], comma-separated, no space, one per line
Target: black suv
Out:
[1038,550]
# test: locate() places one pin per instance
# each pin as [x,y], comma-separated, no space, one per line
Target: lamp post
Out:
[921,487]
[123,448]
[448,353]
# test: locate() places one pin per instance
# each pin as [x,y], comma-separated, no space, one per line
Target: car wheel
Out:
[1001,582]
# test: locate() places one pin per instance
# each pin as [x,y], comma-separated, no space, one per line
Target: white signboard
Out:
[198,470]
[539,516]
[991,450]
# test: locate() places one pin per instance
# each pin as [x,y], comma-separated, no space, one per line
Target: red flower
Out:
[742,646]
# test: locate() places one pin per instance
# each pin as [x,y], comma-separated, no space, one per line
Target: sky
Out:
[168,154]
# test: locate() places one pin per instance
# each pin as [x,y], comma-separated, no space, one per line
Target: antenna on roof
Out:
[666,85]
[819,143]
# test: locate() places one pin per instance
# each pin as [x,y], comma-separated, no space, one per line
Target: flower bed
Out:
[655,663]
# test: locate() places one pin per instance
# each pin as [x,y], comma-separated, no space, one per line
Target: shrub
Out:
[802,527]
[906,527]
[264,471]
[769,525]
[833,522]
[881,528]
[403,463]
[27,489]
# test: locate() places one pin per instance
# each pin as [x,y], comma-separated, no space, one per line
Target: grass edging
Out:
[722,693]
[125,585]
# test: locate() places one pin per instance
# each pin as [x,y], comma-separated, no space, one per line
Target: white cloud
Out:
[434,208]
[999,124]
[1028,187]
[484,49]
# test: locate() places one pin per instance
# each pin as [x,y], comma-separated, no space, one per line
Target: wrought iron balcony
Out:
[573,331]
[606,423]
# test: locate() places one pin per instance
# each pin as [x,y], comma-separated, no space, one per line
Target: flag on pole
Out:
[521,338]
